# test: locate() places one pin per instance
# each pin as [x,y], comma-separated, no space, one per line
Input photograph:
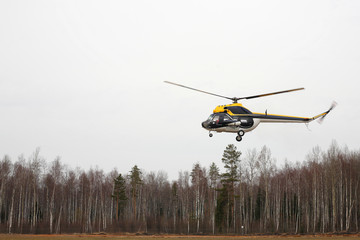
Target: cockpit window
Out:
[210,117]
[227,118]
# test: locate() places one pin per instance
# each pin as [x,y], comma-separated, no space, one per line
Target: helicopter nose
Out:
[205,124]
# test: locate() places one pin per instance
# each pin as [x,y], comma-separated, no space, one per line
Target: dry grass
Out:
[162,237]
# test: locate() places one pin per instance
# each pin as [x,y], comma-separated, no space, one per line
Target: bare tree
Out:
[251,175]
[5,167]
[266,166]
[214,181]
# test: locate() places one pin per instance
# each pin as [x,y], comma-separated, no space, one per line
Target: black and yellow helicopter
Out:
[235,118]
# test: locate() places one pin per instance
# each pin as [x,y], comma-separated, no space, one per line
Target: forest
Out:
[251,195]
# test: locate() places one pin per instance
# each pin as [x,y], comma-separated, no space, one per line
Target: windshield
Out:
[210,117]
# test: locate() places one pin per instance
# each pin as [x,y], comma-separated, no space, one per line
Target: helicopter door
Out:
[215,121]
[221,120]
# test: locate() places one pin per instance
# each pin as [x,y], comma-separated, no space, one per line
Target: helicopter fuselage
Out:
[235,118]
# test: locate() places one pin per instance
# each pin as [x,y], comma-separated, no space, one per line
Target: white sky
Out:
[84,79]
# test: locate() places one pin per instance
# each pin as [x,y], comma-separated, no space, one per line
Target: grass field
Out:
[162,237]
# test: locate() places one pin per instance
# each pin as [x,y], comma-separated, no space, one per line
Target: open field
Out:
[156,237]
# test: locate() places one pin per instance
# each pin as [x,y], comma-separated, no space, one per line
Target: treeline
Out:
[252,195]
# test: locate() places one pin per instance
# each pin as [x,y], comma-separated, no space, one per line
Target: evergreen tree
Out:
[135,182]
[214,175]
[226,201]
[119,194]
[221,207]
[231,160]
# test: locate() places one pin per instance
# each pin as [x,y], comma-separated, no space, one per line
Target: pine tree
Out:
[231,159]
[135,182]
[214,175]
[221,207]
[119,194]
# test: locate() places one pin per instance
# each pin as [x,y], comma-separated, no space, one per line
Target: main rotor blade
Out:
[176,84]
[269,94]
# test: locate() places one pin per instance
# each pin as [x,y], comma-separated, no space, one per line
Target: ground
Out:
[181,237]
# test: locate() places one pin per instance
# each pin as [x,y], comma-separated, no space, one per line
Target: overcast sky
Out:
[83,80]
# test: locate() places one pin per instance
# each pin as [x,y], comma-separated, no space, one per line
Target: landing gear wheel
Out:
[241,133]
[210,134]
[238,138]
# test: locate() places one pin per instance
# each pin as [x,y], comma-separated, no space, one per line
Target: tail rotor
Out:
[321,119]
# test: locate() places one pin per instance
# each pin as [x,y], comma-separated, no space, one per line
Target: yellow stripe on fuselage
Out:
[276,115]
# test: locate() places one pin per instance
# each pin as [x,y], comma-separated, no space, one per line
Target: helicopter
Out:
[235,118]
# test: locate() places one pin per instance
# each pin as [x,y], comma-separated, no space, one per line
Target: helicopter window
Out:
[210,117]
[239,110]
[227,118]
[247,111]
